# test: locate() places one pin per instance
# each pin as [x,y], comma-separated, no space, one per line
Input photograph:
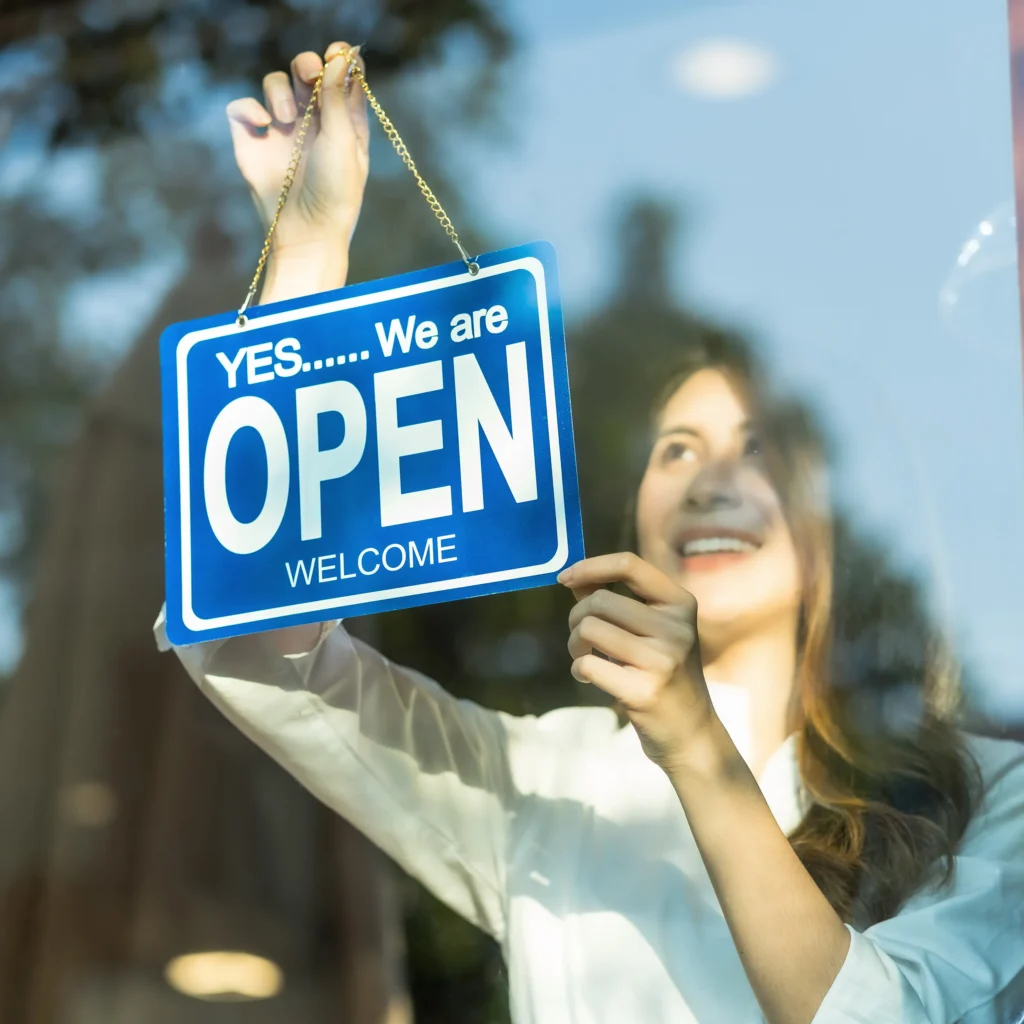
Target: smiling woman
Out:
[733,504]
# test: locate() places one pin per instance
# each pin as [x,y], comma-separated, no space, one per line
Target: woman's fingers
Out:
[304,68]
[357,105]
[248,114]
[593,634]
[335,48]
[627,612]
[280,98]
[347,88]
[624,683]
[335,109]
[624,567]
[656,639]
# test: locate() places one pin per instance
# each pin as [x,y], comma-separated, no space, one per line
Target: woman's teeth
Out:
[713,545]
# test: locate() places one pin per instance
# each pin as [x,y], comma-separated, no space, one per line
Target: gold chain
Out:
[401,149]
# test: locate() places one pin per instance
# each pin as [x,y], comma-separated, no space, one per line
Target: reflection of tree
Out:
[620,360]
[137,823]
[114,151]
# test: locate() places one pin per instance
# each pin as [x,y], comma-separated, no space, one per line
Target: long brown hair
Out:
[890,782]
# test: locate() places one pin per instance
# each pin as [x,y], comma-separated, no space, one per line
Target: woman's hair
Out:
[890,782]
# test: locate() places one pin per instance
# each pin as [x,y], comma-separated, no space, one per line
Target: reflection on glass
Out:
[225,976]
[89,804]
[845,215]
[983,281]
[725,69]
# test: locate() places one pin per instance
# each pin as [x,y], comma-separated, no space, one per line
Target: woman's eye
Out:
[752,447]
[676,451]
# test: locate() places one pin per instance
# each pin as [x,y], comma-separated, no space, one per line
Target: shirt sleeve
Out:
[952,956]
[423,775]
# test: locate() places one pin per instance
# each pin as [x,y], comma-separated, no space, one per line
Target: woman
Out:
[756,843]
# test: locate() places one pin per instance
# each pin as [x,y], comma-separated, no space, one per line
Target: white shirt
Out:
[559,837]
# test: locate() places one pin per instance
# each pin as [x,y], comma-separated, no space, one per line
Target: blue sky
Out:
[826,214]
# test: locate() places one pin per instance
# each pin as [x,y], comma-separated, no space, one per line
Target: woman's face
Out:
[708,516]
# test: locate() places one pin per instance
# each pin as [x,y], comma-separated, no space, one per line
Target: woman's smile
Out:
[710,547]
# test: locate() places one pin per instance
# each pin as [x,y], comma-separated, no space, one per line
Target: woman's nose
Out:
[714,487]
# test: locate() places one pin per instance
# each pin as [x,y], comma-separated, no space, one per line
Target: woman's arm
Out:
[792,943]
[424,776]
[790,940]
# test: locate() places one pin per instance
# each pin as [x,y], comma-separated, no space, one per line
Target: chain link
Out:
[354,71]
[403,151]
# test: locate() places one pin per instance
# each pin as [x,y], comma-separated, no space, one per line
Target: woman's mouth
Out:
[706,551]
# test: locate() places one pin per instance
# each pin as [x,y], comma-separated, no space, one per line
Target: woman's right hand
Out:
[322,209]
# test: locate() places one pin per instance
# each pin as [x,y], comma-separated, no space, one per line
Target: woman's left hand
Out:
[656,672]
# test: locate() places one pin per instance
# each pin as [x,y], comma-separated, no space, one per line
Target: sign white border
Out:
[197,624]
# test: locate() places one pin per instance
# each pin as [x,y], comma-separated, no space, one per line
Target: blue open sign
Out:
[388,444]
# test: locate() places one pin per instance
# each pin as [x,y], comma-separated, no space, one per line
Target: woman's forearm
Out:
[790,940]
[303,270]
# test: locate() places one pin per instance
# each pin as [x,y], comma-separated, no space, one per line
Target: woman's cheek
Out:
[781,571]
[653,518]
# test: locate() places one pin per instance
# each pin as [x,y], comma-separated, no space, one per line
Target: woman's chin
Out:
[717,611]
[727,595]
[726,615]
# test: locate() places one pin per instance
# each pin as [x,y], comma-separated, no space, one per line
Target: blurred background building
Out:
[729,162]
